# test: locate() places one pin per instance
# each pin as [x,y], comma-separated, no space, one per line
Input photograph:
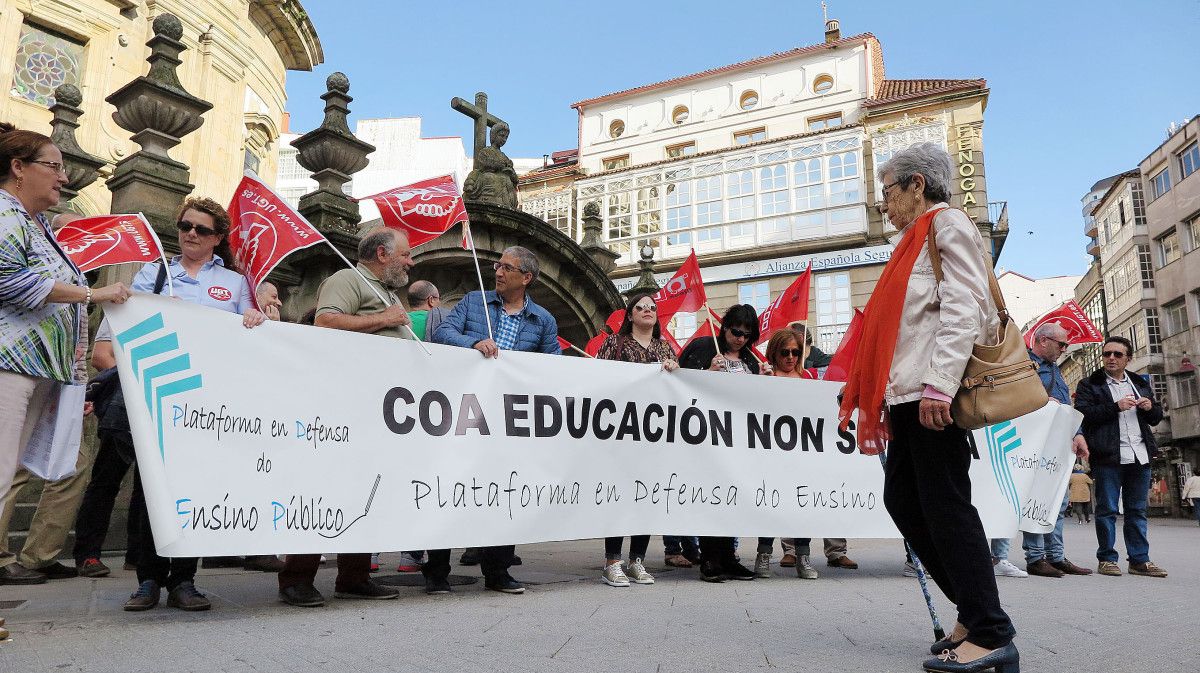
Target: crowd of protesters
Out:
[917,337]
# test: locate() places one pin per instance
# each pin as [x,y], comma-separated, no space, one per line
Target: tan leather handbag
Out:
[1000,382]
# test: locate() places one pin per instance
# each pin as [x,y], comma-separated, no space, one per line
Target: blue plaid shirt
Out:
[508,326]
[1052,379]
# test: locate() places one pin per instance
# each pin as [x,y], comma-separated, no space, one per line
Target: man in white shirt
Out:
[1118,410]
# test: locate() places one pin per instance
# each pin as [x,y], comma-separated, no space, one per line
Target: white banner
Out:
[293,439]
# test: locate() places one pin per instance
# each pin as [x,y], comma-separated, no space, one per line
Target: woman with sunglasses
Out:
[205,273]
[638,340]
[786,351]
[731,352]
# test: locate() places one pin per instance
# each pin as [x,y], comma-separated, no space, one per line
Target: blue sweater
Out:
[465,325]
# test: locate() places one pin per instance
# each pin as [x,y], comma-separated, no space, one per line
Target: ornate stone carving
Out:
[81,167]
[591,209]
[157,110]
[493,178]
[333,154]
[592,242]
[646,281]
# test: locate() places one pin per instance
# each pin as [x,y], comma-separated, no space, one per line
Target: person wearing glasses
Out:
[1119,409]
[43,313]
[731,351]
[638,340]
[205,273]
[517,324]
[1044,555]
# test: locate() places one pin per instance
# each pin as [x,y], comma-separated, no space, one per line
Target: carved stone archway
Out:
[572,286]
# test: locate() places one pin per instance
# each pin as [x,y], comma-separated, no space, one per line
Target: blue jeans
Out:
[1196,508]
[1047,546]
[999,546]
[1131,484]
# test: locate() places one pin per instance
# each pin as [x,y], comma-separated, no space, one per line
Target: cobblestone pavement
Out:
[872,619]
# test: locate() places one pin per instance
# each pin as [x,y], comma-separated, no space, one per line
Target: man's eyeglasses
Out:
[506,267]
[1114,354]
[791,352]
[648,308]
[741,334]
[184,227]
[55,166]
[1061,344]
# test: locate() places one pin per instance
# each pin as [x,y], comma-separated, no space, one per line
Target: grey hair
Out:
[930,161]
[368,246]
[419,292]
[1047,328]
[526,261]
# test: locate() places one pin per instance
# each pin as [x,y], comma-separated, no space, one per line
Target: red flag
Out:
[670,339]
[93,242]
[704,331]
[839,365]
[615,319]
[594,344]
[265,230]
[684,292]
[425,209]
[1071,317]
[791,305]
[564,344]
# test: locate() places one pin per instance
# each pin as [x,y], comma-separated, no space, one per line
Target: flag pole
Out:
[479,275]
[581,351]
[162,252]
[377,294]
[712,330]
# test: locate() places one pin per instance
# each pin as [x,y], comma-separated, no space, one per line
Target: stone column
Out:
[646,281]
[592,242]
[157,110]
[82,168]
[333,155]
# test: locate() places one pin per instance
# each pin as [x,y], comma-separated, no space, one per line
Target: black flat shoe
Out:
[1004,660]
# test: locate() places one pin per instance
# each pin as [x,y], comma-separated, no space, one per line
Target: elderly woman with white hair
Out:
[917,337]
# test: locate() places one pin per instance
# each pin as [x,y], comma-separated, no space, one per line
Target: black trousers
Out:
[927,491]
[719,550]
[637,547]
[167,572]
[495,563]
[95,510]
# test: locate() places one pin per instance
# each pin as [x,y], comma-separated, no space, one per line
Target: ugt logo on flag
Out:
[93,242]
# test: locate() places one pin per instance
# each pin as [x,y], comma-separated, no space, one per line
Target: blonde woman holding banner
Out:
[203,273]
[638,340]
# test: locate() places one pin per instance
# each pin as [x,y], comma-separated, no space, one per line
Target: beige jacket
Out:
[940,324]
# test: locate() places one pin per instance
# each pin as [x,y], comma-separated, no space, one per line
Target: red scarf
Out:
[872,365]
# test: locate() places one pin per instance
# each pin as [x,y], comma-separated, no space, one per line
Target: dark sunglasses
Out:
[793,352]
[1114,354]
[184,227]
[739,333]
[1061,344]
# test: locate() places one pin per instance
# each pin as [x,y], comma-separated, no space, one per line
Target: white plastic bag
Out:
[53,448]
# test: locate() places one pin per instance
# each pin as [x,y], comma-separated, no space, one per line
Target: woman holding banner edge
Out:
[917,338]
[638,340]
[43,308]
[205,273]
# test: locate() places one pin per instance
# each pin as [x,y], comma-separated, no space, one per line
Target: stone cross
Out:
[479,113]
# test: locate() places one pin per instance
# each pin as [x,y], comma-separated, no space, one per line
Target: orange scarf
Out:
[872,363]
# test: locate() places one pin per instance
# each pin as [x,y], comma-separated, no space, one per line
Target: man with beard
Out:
[346,302]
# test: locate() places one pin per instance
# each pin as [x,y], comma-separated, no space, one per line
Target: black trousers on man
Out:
[167,572]
[927,490]
[95,510]
[495,563]
[719,550]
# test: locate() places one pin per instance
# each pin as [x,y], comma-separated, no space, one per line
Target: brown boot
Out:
[1042,568]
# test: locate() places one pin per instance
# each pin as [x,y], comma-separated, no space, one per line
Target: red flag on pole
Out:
[615,319]
[564,344]
[1080,330]
[839,365]
[791,305]
[684,292]
[265,230]
[424,210]
[594,344]
[93,242]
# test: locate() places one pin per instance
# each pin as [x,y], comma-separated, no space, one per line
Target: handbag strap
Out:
[935,258]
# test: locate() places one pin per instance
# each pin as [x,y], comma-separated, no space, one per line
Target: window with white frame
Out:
[756,294]
[649,211]
[740,197]
[679,213]
[1168,248]
[750,136]
[825,121]
[685,326]
[708,208]
[810,189]
[1145,267]
[1189,160]
[1186,391]
[843,179]
[1153,334]
[833,299]
[681,150]
[1161,183]
[1175,317]
[1193,232]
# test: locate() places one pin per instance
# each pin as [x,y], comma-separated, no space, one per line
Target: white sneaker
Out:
[1004,568]
[762,565]
[637,573]
[614,576]
[804,569]
[910,570]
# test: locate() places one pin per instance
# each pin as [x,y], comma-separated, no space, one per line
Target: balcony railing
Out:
[998,215]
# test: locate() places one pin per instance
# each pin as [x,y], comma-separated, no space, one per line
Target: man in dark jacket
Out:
[516,324]
[1118,410]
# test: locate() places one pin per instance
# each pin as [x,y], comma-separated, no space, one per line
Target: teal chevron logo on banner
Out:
[1002,439]
[161,379]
